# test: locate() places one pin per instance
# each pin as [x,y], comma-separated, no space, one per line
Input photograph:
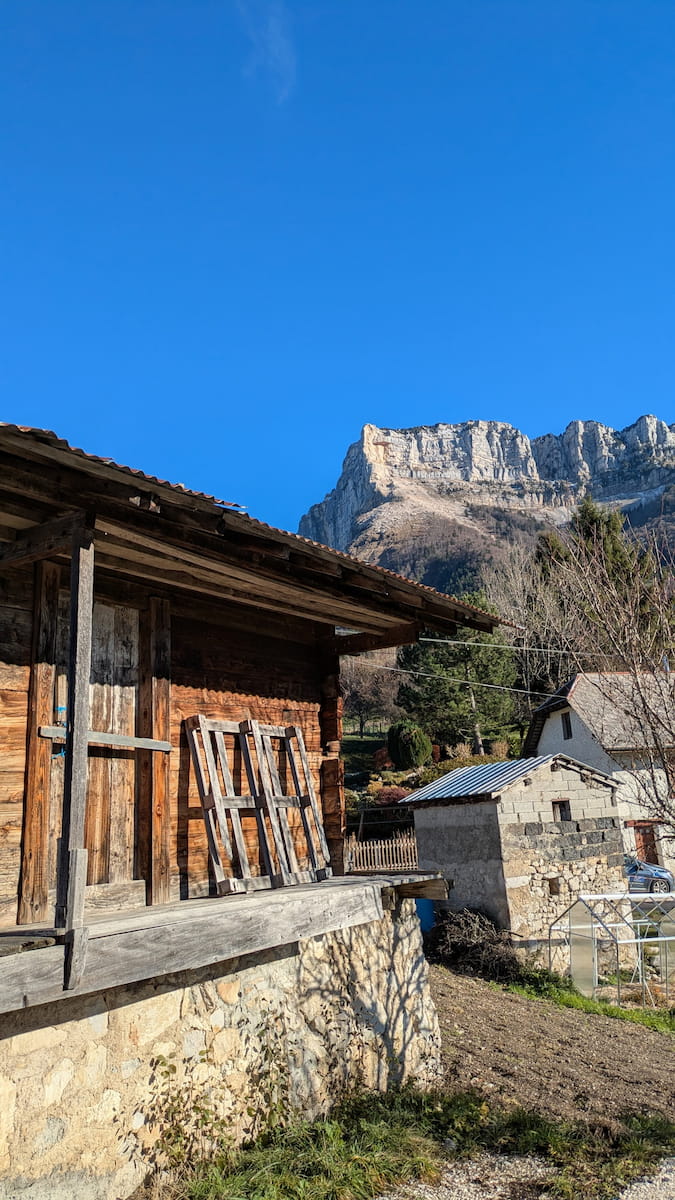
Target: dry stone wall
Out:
[89,1085]
[548,863]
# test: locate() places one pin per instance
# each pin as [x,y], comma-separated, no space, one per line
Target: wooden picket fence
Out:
[397,853]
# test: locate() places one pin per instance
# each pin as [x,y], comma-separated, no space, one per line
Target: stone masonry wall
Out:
[548,863]
[87,1084]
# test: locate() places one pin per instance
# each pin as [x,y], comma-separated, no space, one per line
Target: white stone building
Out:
[596,718]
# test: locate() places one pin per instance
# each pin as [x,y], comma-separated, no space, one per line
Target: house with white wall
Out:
[597,719]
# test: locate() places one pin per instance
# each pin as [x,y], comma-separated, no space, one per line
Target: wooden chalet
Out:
[170,721]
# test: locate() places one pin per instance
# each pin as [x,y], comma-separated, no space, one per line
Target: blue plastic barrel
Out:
[426,914]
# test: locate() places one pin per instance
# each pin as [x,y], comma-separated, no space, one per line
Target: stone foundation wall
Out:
[88,1085]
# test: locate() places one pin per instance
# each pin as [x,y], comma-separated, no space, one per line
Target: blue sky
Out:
[233,231]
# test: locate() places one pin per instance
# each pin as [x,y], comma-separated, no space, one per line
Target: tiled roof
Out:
[613,705]
[235,514]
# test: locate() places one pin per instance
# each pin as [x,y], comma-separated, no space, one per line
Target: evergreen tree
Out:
[445,697]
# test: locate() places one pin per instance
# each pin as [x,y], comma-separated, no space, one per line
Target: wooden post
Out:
[154,851]
[77,725]
[332,771]
[34,886]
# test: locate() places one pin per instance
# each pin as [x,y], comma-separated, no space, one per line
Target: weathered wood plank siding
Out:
[234,675]
[16,631]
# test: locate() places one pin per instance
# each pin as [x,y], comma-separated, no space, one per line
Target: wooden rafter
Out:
[42,541]
[360,643]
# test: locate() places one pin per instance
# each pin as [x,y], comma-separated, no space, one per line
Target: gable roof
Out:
[489,781]
[196,542]
[612,706]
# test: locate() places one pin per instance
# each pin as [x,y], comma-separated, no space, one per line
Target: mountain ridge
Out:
[408,498]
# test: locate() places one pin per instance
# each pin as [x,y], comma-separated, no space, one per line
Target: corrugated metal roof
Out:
[493,778]
[478,781]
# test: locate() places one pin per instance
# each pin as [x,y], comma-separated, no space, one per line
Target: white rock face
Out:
[432,468]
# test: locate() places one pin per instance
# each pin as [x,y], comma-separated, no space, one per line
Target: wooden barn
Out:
[170,719]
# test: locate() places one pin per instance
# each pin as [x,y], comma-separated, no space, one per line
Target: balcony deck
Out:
[125,947]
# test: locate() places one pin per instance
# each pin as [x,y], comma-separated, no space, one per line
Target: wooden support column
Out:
[154,841]
[72,867]
[332,770]
[34,886]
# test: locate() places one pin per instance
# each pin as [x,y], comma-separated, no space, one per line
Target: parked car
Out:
[647,877]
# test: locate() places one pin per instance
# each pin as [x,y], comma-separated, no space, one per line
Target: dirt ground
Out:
[559,1061]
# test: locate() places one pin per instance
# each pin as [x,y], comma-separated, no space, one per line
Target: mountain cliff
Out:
[434,501]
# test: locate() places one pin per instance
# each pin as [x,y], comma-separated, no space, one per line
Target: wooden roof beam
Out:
[361,643]
[42,541]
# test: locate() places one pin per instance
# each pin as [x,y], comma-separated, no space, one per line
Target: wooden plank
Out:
[294,732]
[241,926]
[360,643]
[261,786]
[41,541]
[277,799]
[123,766]
[110,897]
[99,783]
[35,877]
[60,713]
[97,738]
[263,843]
[428,889]
[160,731]
[222,579]
[75,773]
[235,819]
[76,932]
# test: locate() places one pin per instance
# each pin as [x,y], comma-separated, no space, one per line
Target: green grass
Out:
[357,752]
[375,1142]
[543,986]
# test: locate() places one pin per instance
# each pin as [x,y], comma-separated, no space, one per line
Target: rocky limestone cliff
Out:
[406,496]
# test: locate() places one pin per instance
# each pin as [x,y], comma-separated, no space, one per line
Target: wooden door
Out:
[110,833]
[645,842]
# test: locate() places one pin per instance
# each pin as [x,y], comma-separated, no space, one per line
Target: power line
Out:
[504,646]
[496,687]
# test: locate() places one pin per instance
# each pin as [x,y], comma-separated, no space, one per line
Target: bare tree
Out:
[628,616]
[369,690]
[599,602]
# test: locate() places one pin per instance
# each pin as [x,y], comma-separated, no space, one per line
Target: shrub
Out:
[408,745]
[461,750]
[391,795]
[500,748]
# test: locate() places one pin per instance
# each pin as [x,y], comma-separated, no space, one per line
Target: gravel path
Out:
[493,1177]
[658,1187]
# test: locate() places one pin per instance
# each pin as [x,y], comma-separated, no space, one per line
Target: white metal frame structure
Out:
[637,931]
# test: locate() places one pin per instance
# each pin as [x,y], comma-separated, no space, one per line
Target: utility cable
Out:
[496,687]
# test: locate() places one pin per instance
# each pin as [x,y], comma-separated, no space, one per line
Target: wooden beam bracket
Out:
[360,643]
[42,541]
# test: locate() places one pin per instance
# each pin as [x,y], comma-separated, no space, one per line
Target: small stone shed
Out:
[518,839]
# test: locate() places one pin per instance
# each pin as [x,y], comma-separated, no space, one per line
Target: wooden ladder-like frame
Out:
[222,806]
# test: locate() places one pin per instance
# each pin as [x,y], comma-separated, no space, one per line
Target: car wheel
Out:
[659,885]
